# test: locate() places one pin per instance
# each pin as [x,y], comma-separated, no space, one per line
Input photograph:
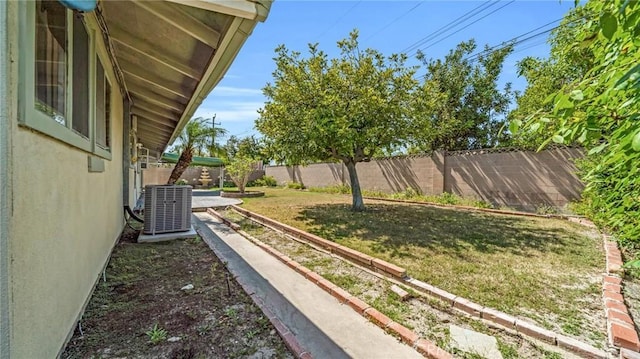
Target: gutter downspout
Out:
[5,191]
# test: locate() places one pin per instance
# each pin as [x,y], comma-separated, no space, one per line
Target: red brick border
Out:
[461,304]
[622,332]
[348,253]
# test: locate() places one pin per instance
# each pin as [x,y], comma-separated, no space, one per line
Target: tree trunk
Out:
[357,205]
[183,163]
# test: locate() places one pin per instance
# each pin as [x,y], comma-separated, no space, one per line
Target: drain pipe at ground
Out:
[132,215]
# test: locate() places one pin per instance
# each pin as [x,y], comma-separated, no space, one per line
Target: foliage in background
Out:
[459,105]
[240,169]
[545,76]
[242,157]
[344,109]
[600,111]
[295,185]
[244,147]
[196,135]
[265,181]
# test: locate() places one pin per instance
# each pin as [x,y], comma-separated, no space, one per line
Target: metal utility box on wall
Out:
[167,209]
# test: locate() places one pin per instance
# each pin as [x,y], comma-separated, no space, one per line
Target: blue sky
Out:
[387,26]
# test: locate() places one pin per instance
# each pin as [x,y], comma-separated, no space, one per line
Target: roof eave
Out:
[229,48]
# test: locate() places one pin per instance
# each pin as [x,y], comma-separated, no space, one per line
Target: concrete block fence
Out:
[520,179]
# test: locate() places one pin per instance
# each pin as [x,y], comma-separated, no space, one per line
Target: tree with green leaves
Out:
[194,137]
[566,64]
[342,109]
[249,146]
[240,169]
[242,156]
[459,105]
[600,110]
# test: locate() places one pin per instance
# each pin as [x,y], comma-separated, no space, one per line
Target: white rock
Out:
[187,287]
[174,339]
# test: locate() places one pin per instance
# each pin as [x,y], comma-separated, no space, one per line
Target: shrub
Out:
[546,209]
[449,198]
[375,193]
[338,189]
[182,182]
[408,193]
[295,185]
[265,181]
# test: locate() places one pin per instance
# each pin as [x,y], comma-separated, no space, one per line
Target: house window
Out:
[51,60]
[64,86]
[103,107]
[80,88]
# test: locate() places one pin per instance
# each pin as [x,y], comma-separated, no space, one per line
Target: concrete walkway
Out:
[323,326]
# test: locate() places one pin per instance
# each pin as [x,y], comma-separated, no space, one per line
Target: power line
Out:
[530,46]
[339,19]
[394,20]
[471,13]
[466,26]
[514,41]
[505,44]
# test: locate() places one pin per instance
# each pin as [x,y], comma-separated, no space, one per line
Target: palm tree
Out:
[195,136]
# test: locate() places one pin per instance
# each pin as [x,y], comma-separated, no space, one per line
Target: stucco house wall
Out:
[63,223]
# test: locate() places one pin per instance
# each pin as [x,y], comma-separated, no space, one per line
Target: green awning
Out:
[197,161]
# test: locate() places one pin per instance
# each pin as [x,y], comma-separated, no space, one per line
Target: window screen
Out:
[51,60]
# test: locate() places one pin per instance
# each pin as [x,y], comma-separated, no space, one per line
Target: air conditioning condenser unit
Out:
[167,209]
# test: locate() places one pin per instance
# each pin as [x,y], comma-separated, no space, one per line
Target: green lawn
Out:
[544,269]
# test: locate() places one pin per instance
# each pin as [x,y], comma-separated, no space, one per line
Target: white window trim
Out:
[29,116]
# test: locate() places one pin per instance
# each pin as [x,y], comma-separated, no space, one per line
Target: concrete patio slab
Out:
[202,198]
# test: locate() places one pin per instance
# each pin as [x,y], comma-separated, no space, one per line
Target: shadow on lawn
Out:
[398,228]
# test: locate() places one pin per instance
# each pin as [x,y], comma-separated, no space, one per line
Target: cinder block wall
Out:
[398,174]
[314,175]
[521,179]
[517,179]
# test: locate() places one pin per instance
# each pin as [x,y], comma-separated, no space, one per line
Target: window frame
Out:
[29,115]
[98,149]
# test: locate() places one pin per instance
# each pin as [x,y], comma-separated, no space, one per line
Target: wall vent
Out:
[167,209]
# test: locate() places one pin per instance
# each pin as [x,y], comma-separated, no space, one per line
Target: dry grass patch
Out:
[545,269]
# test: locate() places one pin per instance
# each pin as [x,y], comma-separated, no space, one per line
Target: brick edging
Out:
[458,303]
[287,336]
[423,346]
[575,219]
[361,258]
[620,327]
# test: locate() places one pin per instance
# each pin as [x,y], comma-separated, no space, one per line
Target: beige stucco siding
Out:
[64,222]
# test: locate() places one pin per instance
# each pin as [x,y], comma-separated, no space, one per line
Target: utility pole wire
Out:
[395,20]
[471,13]
[502,44]
[515,42]
[457,31]
[339,19]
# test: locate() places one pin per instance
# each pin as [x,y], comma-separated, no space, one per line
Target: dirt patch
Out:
[141,310]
